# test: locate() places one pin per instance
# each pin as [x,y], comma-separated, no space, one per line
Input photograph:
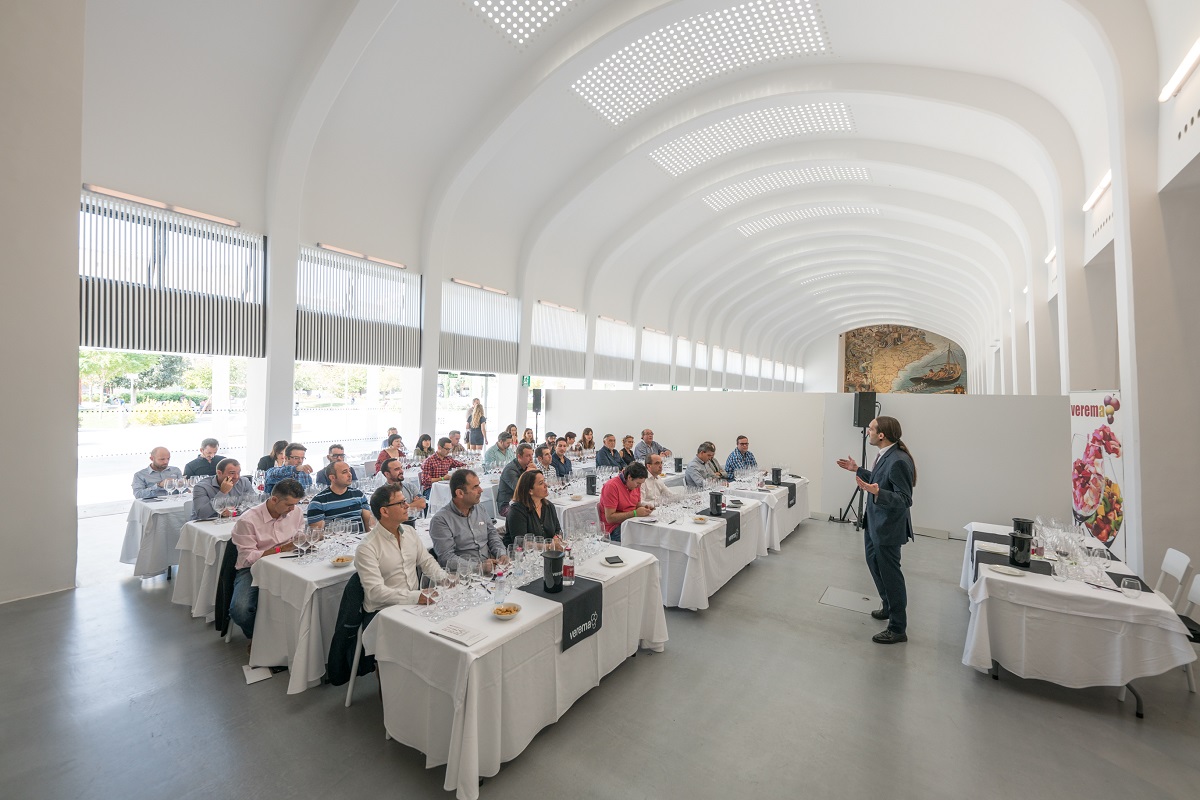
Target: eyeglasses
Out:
[338,456]
[397,503]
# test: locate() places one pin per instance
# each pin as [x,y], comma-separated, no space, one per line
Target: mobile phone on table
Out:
[613,560]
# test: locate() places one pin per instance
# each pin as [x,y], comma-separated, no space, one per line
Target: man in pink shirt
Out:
[621,499]
[266,529]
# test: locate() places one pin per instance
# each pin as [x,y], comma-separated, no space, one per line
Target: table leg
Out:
[994,671]
[1136,697]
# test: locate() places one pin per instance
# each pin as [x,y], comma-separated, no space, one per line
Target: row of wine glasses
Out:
[178,486]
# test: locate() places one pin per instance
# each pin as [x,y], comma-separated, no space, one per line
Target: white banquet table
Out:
[151,533]
[297,611]
[779,521]
[1069,633]
[439,495]
[693,559]
[473,708]
[201,546]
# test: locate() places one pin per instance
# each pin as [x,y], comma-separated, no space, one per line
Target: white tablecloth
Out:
[779,521]
[151,533]
[201,547]
[473,708]
[439,495]
[1070,633]
[693,559]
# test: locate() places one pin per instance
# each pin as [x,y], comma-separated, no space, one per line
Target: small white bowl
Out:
[516,609]
[349,560]
[576,497]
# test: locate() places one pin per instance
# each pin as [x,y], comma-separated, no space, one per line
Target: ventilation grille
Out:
[797,214]
[519,20]
[695,49]
[744,190]
[755,127]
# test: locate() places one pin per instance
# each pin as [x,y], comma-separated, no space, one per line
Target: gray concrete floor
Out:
[110,691]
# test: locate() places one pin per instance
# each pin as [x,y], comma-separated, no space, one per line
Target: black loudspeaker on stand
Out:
[865,409]
[537,410]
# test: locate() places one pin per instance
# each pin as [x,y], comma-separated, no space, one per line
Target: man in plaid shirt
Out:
[741,457]
[438,465]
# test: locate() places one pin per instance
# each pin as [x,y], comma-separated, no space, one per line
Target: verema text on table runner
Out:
[583,608]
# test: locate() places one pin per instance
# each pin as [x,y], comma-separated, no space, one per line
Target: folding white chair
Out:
[1176,565]
[1193,627]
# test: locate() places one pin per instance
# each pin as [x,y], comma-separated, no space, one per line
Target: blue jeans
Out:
[884,563]
[615,535]
[244,604]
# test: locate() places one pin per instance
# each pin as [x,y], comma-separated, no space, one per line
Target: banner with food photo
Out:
[1097,469]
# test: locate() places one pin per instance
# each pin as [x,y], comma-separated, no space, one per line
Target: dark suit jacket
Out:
[888,519]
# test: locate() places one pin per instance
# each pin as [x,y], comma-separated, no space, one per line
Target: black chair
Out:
[347,660]
[225,590]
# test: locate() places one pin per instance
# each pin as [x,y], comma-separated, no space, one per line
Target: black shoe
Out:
[879,613]
[889,637]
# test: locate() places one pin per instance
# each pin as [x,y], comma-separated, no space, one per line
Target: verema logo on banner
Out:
[1088,411]
[589,625]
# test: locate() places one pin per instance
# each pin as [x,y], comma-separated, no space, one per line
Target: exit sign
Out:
[525,380]
[674,388]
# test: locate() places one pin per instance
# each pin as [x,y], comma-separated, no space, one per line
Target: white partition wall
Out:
[985,458]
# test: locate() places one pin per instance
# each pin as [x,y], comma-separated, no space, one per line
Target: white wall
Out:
[986,458]
[784,427]
[41,92]
[821,365]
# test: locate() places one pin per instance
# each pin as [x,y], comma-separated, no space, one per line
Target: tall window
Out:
[733,370]
[683,362]
[716,368]
[152,279]
[480,330]
[656,357]
[353,311]
[559,342]
[753,367]
[700,367]
[614,351]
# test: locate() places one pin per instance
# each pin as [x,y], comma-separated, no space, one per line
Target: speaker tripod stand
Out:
[854,509]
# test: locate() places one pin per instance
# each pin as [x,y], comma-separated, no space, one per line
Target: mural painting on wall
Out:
[897,358]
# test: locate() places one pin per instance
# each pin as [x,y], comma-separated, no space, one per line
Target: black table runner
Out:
[733,524]
[1117,577]
[583,607]
[791,487]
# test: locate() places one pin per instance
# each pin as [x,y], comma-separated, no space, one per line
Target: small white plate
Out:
[1003,570]
[700,520]
[576,497]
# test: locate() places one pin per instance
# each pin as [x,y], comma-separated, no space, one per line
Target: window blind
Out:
[683,361]
[614,351]
[656,357]
[750,380]
[558,342]
[479,331]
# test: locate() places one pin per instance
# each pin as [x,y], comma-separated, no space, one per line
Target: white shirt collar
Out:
[883,450]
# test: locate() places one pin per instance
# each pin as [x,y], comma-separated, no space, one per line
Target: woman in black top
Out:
[275,459]
[627,451]
[424,447]
[530,513]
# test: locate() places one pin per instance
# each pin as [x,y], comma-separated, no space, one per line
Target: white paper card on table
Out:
[992,547]
[460,634]
[256,674]
[596,574]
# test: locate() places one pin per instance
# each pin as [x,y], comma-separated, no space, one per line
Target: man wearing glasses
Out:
[293,467]
[337,454]
[388,558]
[647,446]
[741,457]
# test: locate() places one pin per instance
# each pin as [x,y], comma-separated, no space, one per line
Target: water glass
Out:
[1131,588]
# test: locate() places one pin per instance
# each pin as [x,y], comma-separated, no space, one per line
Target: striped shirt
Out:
[328,506]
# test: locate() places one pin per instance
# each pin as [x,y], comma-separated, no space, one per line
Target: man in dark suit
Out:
[888,525]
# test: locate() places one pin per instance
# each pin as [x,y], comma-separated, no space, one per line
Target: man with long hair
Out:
[888,523]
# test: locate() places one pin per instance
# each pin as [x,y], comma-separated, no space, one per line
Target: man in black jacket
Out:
[508,478]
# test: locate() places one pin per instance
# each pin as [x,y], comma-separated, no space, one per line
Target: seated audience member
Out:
[572,445]
[530,511]
[542,457]
[339,500]
[424,448]
[621,499]
[266,529]
[387,442]
[627,456]
[559,461]
[647,446]
[277,458]
[741,457]
[528,438]
[205,464]
[514,435]
[512,472]
[293,467]
[438,466]
[337,453]
[499,454]
[456,447]
[587,441]
[609,456]
[461,528]
[703,467]
[655,489]
[148,482]
[227,482]
[551,438]
[393,472]
[389,556]
[393,449]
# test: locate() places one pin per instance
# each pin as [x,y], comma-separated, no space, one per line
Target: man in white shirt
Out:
[655,490]
[388,558]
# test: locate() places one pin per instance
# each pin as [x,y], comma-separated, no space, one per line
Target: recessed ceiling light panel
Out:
[797,214]
[700,47]
[773,181]
[520,19]
[754,127]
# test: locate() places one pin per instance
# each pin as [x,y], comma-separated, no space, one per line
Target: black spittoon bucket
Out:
[678,465]
[552,562]
[714,503]
[591,483]
[776,475]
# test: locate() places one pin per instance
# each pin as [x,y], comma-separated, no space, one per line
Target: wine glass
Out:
[1131,588]
[300,540]
[428,595]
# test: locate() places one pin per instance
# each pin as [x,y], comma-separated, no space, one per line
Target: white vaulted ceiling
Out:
[756,174]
